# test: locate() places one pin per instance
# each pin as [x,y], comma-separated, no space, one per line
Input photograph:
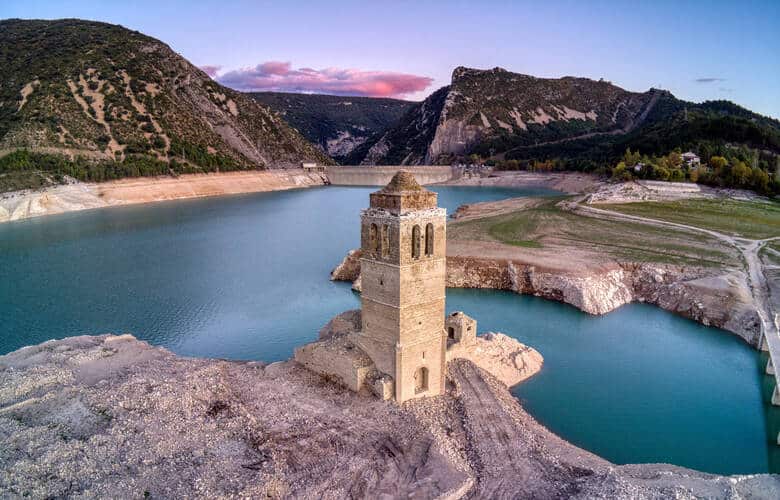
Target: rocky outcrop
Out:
[510,361]
[349,269]
[495,109]
[112,417]
[503,357]
[720,300]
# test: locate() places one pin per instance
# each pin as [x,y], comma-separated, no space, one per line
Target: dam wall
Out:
[380,176]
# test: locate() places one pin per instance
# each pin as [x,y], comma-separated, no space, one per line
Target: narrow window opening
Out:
[429,239]
[451,333]
[416,242]
[373,238]
[385,241]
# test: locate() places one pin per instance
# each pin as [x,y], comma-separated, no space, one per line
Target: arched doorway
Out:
[421,380]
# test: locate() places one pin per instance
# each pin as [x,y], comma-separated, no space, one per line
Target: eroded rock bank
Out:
[711,298]
[82,196]
[567,182]
[112,417]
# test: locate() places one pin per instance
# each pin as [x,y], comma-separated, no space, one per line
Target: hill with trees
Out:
[98,101]
[336,124]
[519,121]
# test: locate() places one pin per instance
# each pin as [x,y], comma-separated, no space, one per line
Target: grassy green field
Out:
[749,219]
[547,227]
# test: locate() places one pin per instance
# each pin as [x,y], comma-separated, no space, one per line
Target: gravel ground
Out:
[111,417]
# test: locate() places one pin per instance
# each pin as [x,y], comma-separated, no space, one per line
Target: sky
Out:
[698,50]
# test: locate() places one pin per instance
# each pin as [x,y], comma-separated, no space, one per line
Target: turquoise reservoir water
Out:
[246,277]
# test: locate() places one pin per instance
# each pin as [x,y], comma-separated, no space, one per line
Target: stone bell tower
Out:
[403,237]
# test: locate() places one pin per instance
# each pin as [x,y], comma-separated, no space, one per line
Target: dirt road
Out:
[748,249]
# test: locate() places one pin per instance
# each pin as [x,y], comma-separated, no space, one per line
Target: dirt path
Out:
[747,248]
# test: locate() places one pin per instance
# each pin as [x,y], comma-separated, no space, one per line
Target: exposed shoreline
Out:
[113,416]
[713,299]
[20,205]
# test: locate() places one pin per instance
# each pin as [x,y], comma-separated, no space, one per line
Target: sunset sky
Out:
[698,50]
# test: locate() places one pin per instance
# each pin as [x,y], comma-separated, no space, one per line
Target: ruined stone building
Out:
[398,350]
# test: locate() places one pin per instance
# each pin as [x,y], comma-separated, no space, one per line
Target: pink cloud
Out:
[279,76]
[273,68]
[211,69]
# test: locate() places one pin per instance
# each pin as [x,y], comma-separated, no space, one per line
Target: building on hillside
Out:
[460,328]
[312,167]
[691,159]
[401,349]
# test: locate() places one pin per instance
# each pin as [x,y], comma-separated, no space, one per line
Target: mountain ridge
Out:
[499,114]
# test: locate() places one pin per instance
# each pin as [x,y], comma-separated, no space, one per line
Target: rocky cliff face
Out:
[496,109]
[717,300]
[504,115]
[407,143]
[483,106]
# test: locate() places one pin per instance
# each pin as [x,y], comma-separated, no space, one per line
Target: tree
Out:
[631,158]
[741,174]
[675,159]
[662,173]
[759,180]
[621,173]
[718,163]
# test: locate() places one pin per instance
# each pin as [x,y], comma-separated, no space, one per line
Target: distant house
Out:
[312,167]
[691,159]
[638,167]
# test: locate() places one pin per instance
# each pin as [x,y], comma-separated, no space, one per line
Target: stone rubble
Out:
[112,417]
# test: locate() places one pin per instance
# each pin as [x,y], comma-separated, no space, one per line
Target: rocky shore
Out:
[82,196]
[707,296]
[111,417]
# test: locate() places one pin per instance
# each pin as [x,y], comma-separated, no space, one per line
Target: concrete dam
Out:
[379,176]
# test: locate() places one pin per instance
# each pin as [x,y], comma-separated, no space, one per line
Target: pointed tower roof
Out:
[402,181]
[403,194]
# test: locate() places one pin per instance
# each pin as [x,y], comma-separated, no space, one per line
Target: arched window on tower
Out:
[416,236]
[385,241]
[373,239]
[429,239]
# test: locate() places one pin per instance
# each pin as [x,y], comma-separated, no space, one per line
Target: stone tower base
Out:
[337,357]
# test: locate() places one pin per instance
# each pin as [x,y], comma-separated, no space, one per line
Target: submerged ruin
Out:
[402,346]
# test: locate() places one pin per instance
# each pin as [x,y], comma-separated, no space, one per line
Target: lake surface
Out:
[246,277]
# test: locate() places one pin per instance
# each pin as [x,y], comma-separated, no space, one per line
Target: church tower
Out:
[403,237]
